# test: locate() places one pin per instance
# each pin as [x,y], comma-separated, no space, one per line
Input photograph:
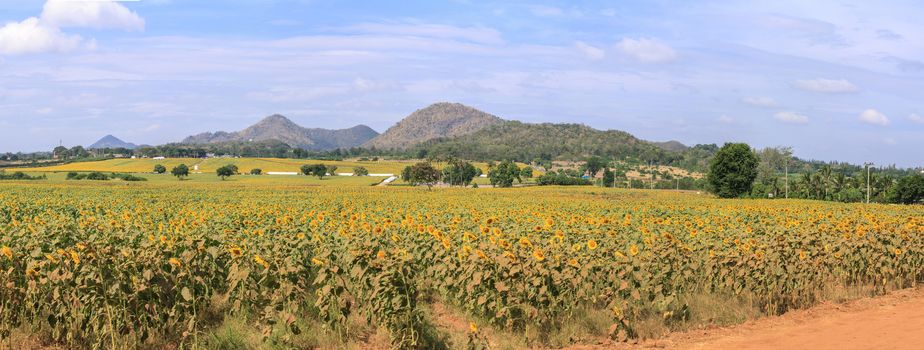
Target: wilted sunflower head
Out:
[236,252]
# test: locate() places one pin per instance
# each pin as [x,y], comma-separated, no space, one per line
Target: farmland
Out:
[209,165]
[169,263]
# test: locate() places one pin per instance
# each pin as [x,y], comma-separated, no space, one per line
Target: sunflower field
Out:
[94,265]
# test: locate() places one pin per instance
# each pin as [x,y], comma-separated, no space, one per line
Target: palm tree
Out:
[840,182]
[825,177]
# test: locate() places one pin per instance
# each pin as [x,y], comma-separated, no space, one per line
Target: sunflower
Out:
[524,242]
[175,262]
[591,244]
[236,252]
[317,262]
[802,255]
[538,255]
[573,262]
[633,250]
[380,254]
[257,259]
[7,252]
[472,327]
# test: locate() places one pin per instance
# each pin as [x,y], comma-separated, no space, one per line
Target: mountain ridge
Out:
[280,128]
[438,120]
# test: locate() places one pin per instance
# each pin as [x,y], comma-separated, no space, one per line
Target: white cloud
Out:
[916,118]
[760,101]
[647,50]
[590,51]
[725,119]
[830,86]
[43,34]
[875,117]
[791,117]
[32,36]
[91,14]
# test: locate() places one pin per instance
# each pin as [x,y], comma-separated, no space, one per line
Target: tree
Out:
[406,174]
[60,152]
[593,165]
[159,169]
[526,172]
[360,171]
[79,152]
[180,171]
[256,171]
[225,172]
[503,174]
[422,173]
[733,170]
[319,170]
[609,178]
[909,190]
[331,169]
[459,173]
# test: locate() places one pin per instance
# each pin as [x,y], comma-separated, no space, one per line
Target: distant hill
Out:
[525,142]
[673,146]
[110,141]
[280,128]
[439,120]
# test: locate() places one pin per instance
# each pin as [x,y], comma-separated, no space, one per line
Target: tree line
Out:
[739,171]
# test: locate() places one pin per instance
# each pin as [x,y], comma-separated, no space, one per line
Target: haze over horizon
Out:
[836,80]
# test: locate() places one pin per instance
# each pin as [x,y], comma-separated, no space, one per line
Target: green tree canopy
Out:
[459,173]
[733,170]
[593,165]
[422,173]
[319,170]
[159,169]
[909,190]
[180,171]
[225,172]
[503,174]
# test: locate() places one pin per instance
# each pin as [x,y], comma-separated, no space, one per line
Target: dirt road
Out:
[893,321]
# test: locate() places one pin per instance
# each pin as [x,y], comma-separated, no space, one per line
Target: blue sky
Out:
[836,80]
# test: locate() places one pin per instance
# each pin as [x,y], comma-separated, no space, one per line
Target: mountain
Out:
[110,141]
[526,142]
[672,145]
[438,120]
[280,128]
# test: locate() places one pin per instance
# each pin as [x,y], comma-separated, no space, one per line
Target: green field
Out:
[237,180]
